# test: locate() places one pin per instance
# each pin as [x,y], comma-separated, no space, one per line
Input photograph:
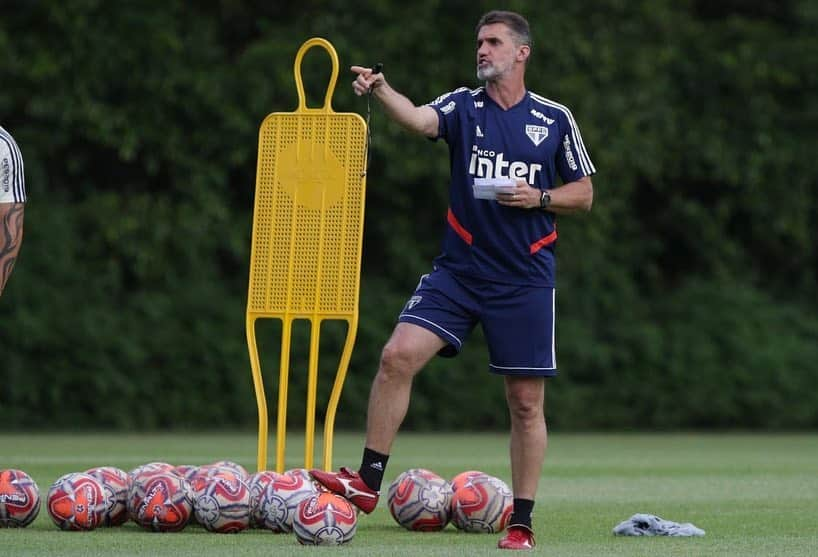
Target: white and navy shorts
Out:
[12,179]
[517,321]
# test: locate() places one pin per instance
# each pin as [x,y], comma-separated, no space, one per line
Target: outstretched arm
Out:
[418,119]
[11,236]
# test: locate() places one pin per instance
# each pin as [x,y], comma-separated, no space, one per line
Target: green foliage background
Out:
[687,297]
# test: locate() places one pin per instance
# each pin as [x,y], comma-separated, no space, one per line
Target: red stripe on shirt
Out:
[462,232]
[542,242]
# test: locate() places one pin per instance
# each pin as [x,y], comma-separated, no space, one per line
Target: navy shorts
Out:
[518,321]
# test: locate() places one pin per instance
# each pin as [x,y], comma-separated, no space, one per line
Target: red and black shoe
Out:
[348,484]
[517,537]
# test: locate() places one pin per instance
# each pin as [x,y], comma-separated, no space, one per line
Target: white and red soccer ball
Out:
[278,504]
[187,471]
[19,499]
[201,476]
[325,518]
[482,503]
[117,484]
[235,466]
[149,469]
[302,473]
[221,502]
[160,502]
[463,477]
[257,484]
[420,500]
[77,501]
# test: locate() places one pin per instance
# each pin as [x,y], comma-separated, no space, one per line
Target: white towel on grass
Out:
[652,525]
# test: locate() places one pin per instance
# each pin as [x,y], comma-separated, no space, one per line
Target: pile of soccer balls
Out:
[221,497]
[473,501]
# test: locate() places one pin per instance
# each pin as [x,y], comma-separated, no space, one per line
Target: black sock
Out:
[522,512]
[373,465]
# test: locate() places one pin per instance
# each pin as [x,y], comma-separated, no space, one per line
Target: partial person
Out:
[12,204]
[497,265]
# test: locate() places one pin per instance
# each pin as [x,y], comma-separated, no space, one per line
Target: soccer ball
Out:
[77,501]
[257,484]
[278,503]
[236,467]
[19,499]
[160,502]
[222,503]
[149,469]
[482,504]
[325,518]
[303,473]
[187,471]
[463,477]
[420,500]
[116,484]
[200,478]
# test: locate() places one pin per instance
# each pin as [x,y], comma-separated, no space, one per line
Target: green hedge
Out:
[686,298]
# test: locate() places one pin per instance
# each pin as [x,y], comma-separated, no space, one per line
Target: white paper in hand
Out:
[488,188]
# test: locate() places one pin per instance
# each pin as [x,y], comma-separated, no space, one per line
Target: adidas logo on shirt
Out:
[478,132]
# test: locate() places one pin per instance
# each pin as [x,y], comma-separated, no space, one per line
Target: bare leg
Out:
[11,236]
[529,436]
[404,355]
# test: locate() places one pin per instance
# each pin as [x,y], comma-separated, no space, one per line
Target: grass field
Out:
[753,494]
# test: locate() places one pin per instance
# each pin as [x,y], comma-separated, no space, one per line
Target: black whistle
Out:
[377,68]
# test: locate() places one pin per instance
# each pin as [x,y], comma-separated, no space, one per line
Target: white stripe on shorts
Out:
[447,333]
[554,328]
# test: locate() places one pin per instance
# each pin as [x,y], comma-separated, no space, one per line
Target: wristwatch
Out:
[545,199]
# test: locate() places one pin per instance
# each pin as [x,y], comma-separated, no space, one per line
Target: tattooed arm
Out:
[11,236]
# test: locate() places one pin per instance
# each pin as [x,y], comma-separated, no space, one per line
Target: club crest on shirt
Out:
[536,134]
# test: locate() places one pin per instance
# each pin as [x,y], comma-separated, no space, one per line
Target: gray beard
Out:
[487,74]
[491,72]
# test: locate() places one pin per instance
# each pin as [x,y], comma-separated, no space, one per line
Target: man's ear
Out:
[523,53]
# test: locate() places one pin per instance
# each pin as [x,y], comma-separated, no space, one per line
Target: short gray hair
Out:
[514,21]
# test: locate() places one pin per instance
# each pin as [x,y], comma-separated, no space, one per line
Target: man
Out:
[497,264]
[12,202]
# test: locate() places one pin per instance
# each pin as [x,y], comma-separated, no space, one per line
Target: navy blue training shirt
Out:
[536,140]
